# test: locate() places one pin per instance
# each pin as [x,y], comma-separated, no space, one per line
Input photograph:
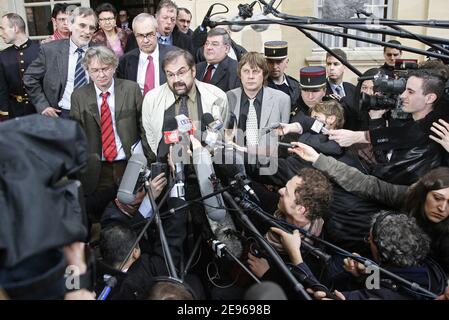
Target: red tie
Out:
[208,74]
[107,131]
[149,76]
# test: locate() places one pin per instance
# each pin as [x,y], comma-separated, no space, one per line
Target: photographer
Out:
[426,200]
[413,153]
[403,255]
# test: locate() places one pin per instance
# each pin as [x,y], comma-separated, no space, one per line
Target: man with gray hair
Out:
[14,60]
[57,71]
[218,69]
[109,111]
[144,64]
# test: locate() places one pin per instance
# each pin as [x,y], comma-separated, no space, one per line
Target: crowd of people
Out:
[344,176]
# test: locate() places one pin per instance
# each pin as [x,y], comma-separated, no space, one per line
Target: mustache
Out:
[179,83]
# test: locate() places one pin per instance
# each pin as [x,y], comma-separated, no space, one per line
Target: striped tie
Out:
[107,131]
[80,74]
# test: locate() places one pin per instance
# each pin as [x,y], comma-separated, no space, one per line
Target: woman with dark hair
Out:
[108,34]
[427,200]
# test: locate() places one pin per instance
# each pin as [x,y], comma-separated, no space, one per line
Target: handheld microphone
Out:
[271,128]
[136,165]
[171,132]
[185,125]
[210,123]
[311,124]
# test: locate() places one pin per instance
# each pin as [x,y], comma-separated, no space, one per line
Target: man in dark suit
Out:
[218,69]
[183,21]
[344,92]
[199,37]
[14,60]
[144,64]
[277,60]
[57,71]
[166,32]
[109,111]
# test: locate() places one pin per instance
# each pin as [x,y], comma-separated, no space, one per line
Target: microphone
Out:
[310,124]
[259,27]
[245,12]
[220,221]
[206,20]
[137,164]
[202,163]
[271,128]
[208,121]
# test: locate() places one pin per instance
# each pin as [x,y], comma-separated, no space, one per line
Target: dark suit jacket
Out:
[46,77]
[199,37]
[127,67]
[225,77]
[84,109]
[180,40]
[350,107]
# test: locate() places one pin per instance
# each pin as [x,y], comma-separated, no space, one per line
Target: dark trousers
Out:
[106,190]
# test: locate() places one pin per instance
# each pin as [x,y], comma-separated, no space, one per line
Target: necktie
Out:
[162,40]
[339,91]
[149,76]
[252,130]
[208,75]
[80,74]
[107,131]
[183,109]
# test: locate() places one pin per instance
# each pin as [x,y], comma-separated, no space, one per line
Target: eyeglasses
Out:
[106,19]
[213,44]
[145,36]
[104,70]
[180,74]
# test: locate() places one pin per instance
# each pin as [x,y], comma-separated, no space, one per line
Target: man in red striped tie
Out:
[109,111]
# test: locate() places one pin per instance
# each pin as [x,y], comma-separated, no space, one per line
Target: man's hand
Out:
[441,131]
[51,112]
[353,267]
[74,254]
[259,266]
[445,295]
[346,138]
[286,128]
[304,151]
[158,184]
[291,243]
[321,295]
[376,114]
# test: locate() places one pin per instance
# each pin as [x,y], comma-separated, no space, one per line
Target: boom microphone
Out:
[136,164]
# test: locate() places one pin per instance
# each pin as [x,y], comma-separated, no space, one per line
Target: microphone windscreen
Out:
[136,163]
[265,290]
[170,125]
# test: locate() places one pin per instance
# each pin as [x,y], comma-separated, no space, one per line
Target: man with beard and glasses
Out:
[182,94]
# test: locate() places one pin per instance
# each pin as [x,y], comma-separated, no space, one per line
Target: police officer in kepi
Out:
[277,60]
[14,60]
[312,82]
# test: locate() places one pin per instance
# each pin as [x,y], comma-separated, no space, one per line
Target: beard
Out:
[180,88]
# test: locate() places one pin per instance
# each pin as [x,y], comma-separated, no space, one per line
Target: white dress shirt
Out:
[142,68]
[73,57]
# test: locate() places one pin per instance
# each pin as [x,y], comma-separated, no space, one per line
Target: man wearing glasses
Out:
[218,69]
[57,71]
[182,94]
[143,64]
[60,21]
[108,110]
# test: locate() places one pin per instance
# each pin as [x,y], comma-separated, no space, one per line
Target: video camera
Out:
[389,90]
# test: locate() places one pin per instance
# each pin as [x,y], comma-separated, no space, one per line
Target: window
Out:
[345,9]
[37,15]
